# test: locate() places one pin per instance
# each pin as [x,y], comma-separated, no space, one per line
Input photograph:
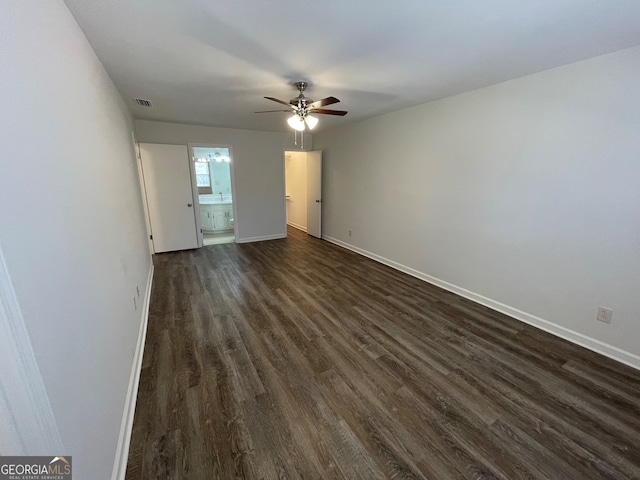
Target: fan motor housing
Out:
[300,99]
[302,105]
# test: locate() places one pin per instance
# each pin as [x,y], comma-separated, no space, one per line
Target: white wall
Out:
[295,166]
[524,195]
[258,170]
[72,228]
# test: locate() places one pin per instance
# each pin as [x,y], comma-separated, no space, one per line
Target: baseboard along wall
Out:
[592,344]
[260,239]
[299,227]
[122,451]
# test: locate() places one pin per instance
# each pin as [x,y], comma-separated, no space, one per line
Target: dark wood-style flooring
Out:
[297,359]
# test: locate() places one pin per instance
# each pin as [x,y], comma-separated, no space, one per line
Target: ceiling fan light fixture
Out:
[296,123]
[311,121]
[301,106]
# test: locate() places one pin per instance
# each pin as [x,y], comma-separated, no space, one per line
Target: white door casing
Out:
[169,193]
[27,422]
[314,193]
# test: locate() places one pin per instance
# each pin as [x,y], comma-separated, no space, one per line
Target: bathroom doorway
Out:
[213,178]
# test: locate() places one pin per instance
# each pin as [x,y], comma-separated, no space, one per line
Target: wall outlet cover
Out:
[604,314]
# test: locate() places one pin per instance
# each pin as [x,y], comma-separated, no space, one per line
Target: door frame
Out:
[143,191]
[311,201]
[194,186]
[284,183]
[27,423]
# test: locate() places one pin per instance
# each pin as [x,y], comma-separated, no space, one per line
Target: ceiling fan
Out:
[302,107]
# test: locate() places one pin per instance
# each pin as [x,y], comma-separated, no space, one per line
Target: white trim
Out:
[260,239]
[597,346]
[196,195]
[143,190]
[295,225]
[27,422]
[284,187]
[122,451]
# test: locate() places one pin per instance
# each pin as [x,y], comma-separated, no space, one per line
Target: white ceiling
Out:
[210,62]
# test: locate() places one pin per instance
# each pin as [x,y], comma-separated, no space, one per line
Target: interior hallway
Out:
[295,358]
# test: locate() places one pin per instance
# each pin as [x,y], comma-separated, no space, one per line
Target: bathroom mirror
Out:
[213,171]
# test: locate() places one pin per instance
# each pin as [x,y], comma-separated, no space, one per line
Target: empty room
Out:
[333,240]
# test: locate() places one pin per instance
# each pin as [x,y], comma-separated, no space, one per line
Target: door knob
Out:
[317,201]
[189,204]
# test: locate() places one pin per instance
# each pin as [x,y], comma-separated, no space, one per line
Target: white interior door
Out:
[314,193]
[169,192]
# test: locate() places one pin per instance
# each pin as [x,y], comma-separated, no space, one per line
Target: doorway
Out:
[303,189]
[213,176]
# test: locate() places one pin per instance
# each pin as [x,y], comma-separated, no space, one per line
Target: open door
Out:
[169,192]
[314,193]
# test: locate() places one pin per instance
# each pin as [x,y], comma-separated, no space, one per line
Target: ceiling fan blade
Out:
[322,103]
[276,100]
[271,111]
[323,111]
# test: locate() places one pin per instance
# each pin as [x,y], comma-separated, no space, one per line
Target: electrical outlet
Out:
[138,290]
[349,232]
[604,314]
[135,303]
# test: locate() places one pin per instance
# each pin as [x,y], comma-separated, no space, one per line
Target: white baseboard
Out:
[299,227]
[122,451]
[260,239]
[605,349]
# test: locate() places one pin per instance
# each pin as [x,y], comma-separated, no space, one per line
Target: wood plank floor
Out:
[297,359]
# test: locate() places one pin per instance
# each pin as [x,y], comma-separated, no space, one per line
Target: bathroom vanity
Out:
[216,217]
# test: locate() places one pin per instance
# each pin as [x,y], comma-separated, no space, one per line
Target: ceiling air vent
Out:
[142,102]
